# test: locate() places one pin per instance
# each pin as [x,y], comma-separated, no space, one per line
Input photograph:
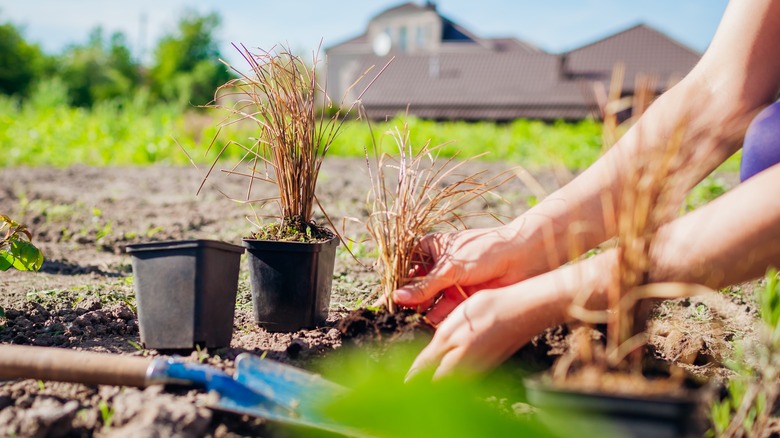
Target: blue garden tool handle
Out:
[261,388]
[171,371]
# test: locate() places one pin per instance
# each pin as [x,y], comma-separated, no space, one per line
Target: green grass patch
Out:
[138,133]
[527,142]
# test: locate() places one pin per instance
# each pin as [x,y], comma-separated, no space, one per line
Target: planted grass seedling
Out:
[296,123]
[653,189]
[412,194]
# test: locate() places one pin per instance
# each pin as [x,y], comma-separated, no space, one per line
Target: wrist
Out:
[586,284]
[535,242]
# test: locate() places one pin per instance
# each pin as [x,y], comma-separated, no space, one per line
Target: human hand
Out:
[458,264]
[487,328]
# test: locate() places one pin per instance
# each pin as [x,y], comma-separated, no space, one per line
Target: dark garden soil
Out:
[82,218]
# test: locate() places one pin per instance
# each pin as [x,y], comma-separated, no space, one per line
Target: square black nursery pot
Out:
[583,413]
[186,292]
[290,282]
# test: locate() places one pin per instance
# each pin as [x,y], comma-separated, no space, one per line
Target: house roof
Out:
[403,8]
[469,77]
[440,86]
[640,48]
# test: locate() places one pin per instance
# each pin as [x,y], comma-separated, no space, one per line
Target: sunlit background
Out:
[107,82]
[553,26]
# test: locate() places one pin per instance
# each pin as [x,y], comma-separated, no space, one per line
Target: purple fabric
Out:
[761,148]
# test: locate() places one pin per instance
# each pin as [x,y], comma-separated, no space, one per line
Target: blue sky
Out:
[555,25]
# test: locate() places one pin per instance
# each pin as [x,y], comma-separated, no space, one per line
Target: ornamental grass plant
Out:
[296,123]
[412,194]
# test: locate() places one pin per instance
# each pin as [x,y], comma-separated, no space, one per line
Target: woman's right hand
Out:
[458,264]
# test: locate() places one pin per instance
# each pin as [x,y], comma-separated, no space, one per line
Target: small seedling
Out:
[106,413]
[202,354]
[412,194]
[16,248]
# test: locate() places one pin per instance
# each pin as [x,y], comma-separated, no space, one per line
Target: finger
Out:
[379,302]
[422,290]
[449,364]
[427,360]
[440,310]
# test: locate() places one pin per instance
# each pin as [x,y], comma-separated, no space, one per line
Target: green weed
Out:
[754,390]
[106,414]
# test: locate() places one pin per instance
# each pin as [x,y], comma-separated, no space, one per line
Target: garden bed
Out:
[83,217]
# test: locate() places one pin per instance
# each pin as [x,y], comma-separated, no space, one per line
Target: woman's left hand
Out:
[487,328]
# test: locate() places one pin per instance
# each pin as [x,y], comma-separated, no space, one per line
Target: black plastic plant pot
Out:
[290,282]
[186,292]
[579,413]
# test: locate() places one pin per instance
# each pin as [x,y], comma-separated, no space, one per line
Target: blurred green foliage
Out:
[379,403]
[530,142]
[45,130]
[185,70]
[186,65]
[20,62]
[100,70]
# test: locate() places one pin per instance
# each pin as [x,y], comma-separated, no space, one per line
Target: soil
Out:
[82,218]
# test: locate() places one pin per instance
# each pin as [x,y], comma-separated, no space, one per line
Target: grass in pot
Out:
[290,260]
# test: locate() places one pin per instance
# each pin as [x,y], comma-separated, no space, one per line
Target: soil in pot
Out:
[659,400]
[618,414]
[186,292]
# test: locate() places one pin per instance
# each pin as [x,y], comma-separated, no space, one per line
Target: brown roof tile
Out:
[642,50]
[455,84]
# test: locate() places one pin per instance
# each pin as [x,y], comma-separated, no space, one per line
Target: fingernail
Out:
[402,295]
[410,375]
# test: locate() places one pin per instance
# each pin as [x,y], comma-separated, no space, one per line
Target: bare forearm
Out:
[732,239]
[713,105]
[582,214]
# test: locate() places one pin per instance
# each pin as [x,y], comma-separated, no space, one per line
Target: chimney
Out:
[430,4]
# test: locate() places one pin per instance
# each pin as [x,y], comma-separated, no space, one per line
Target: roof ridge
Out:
[397,7]
[638,25]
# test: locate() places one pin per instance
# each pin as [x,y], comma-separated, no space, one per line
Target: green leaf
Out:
[26,256]
[6,260]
